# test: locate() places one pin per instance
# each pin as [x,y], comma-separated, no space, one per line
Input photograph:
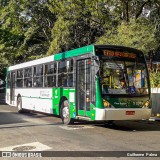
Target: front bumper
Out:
[120,114]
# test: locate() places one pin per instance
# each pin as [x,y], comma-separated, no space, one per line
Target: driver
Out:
[122,83]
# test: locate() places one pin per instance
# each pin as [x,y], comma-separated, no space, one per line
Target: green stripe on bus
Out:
[75,52]
[99,103]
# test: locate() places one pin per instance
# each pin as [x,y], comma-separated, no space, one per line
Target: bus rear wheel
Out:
[65,113]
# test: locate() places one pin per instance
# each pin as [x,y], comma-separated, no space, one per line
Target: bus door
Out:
[83,87]
[12,88]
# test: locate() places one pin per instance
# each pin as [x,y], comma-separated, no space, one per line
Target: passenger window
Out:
[50,75]
[65,73]
[19,81]
[28,77]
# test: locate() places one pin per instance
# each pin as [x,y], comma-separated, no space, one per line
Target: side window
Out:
[8,80]
[38,70]
[50,75]
[70,73]
[62,67]
[19,82]
[28,77]
[62,74]
[65,73]
[38,76]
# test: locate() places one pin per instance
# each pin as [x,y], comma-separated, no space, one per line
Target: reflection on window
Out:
[38,70]
[20,73]
[28,72]
[19,82]
[8,80]
[28,82]
[49,69]
[62,66]
[50,81]
[50,75]
[38,76]
[65,73]
[70,80]
[38,81]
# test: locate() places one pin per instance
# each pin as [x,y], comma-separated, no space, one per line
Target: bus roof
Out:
[60,56]
[68,54]
[32,63]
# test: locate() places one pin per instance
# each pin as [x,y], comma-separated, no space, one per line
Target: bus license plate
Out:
[130,112]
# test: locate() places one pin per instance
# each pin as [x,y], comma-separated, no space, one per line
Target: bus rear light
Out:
[130,112]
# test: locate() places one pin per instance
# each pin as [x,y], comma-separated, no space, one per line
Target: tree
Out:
[136,34]
[25,30]
[79,23]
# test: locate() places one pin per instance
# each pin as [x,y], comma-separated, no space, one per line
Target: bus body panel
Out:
[121,114]
[34,99]
[74,53]
[67,93]
[48,100]
[126,102]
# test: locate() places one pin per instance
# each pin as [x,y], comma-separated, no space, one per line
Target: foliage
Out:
[155,79]
[137,34]
[78,23]
[37,28]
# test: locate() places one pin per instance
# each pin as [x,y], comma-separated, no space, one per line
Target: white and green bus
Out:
[96,83]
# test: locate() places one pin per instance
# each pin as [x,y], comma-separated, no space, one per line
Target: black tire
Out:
[65,113]
[19,104]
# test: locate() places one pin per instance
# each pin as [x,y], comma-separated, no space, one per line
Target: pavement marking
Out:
[35,146]
[74,127]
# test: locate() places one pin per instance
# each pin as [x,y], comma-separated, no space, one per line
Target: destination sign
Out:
[118,54]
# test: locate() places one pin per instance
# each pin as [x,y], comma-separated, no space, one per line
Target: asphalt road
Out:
[43,132]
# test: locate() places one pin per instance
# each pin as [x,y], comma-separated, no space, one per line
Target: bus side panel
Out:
[36,99]
[72,100]
[56,92]
[69,94]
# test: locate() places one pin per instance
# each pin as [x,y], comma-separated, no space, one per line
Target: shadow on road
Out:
[16,120]
[10,118]
[8,115]
[126,126]
[132,126]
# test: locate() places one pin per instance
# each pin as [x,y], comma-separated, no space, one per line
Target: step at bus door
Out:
[12,88]
[83,87]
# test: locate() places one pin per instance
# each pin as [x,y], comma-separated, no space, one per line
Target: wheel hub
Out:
[65,112]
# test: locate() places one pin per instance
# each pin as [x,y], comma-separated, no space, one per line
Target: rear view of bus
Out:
[124,85]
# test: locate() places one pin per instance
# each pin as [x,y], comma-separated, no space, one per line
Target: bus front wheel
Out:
[65,113]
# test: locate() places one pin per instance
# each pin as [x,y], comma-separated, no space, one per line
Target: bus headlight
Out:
[146,104]
[107,104]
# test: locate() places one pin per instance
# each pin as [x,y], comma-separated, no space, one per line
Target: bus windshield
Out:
[123,77]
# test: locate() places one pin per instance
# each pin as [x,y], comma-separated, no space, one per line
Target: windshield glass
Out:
[123,77]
